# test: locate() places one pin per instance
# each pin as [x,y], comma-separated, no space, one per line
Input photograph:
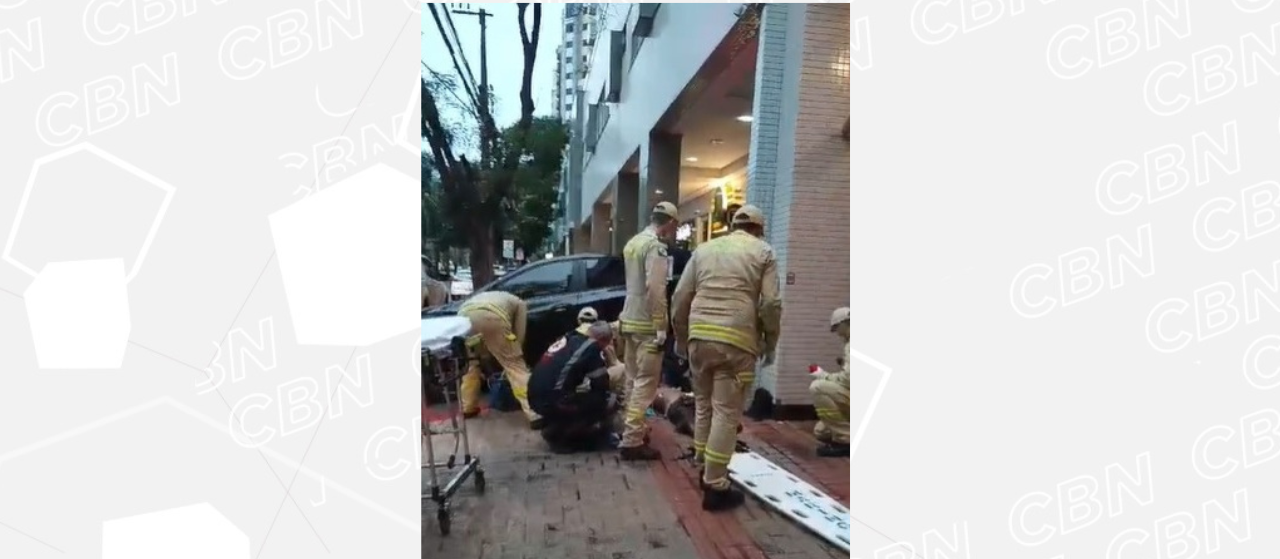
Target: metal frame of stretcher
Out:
[445,355]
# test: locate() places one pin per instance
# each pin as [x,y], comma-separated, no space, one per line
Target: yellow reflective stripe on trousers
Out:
[716,458]
[723,334]
[747,378]
[636,327]
[699,446]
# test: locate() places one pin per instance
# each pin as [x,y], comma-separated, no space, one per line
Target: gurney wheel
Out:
[442,516]
[480,483]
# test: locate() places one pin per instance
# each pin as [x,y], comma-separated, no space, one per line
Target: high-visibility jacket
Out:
[434,292]
[510,308]
[840,377]
[617,350]
[729,294]
[645,309]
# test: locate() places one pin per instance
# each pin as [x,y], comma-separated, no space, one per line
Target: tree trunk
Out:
[481,244]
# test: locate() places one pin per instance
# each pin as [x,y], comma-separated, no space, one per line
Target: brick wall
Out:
[811,197]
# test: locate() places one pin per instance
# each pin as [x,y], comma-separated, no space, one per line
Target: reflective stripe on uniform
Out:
[714,457]
[747,377]
[723,334]
[637,327]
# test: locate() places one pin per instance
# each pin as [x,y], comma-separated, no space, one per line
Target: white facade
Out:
[684,35]
[794,162]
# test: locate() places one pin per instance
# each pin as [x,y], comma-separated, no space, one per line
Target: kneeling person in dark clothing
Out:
[569,388]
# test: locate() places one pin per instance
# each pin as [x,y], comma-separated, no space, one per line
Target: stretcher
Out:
[792,497]
[445,358]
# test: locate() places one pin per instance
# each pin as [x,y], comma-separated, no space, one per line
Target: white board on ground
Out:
[791,496]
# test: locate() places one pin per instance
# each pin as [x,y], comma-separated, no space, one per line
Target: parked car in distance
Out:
[460,287]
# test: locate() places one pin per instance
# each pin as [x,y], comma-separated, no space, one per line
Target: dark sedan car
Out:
[556,289]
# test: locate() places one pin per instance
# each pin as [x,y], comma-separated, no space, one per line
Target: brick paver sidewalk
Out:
[542,505]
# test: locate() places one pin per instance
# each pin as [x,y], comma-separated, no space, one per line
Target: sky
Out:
[506,63]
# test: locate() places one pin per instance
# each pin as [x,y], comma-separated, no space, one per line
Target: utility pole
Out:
[578,143]
[484,76]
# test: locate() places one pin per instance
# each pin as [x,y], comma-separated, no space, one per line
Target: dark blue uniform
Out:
[572,419]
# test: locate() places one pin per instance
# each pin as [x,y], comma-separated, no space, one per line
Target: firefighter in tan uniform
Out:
[726,313]
[434,292]
[831,397]
[614,355]
[497,324]
[644,325]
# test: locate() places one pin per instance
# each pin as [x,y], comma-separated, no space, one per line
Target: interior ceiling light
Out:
[657,192]
[716,141]
[745,118]
[691,159]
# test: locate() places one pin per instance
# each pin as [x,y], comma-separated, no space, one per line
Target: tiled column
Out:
[659,172]
[799,169]
[626,222]
[770,158]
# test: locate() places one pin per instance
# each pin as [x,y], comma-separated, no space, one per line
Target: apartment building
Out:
[710,106]
[569,71]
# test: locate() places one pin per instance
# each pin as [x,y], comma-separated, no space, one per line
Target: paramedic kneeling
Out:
[569,388]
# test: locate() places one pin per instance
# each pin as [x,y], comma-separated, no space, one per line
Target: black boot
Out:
[721,499]
[537,424]
[833,450]
[642,453]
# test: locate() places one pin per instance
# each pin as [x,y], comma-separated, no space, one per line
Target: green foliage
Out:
[438,230]
[535,182]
